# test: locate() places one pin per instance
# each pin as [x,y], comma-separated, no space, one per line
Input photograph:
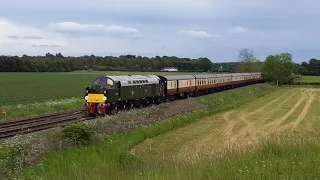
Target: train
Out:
[113,93]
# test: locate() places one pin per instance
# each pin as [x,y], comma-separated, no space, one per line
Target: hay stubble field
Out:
[285,111]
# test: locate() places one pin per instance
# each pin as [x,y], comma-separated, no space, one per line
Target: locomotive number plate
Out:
[95,98]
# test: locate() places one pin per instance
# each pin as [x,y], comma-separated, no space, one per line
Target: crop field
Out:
[23,94]
[26,88]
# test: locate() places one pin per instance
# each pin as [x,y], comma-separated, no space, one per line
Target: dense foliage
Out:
[58,63]
[78,133]
[279,68]
[247,62]
[311,68]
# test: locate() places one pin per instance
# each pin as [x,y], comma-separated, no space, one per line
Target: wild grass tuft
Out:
[24,110]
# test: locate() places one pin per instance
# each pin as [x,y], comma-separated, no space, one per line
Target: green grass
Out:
[28,88]
[310,79]
[15,111]
[111,158]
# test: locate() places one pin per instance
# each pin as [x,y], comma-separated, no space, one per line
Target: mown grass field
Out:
[310,79]
[273,136]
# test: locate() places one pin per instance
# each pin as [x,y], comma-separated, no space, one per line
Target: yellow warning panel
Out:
[95,98]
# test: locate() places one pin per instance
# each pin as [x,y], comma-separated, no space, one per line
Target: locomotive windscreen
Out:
[103,81]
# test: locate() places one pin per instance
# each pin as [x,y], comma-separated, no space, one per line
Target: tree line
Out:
[59,63]
[280,67]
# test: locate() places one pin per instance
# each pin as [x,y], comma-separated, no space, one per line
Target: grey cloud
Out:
[24,37]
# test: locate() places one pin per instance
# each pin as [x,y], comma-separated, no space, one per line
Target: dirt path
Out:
[282,111]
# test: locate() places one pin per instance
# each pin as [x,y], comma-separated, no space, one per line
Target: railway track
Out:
[11,128]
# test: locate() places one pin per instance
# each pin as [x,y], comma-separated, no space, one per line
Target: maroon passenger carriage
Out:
[177,86]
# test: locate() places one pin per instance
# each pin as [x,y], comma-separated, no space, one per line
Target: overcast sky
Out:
[216,29]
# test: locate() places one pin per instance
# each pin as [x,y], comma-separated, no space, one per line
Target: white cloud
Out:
[199,34]
[94,28]
[237,30]
[12,33]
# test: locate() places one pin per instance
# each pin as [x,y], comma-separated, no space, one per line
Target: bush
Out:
[78,133]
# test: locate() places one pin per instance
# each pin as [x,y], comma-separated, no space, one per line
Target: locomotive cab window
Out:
[104,81]
[96,82]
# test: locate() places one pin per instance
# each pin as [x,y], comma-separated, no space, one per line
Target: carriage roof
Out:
[178,77]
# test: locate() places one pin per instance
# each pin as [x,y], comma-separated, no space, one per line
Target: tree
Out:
[279,68]
[314,67]
[247,61]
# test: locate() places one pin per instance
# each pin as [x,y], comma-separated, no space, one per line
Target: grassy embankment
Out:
[112,159]
[25,94]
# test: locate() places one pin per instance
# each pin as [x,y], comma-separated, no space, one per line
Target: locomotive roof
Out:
[128,80]
[177,77]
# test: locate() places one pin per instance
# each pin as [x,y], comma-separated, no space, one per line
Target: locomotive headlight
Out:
[104,98]
[86,97]
[87,91]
